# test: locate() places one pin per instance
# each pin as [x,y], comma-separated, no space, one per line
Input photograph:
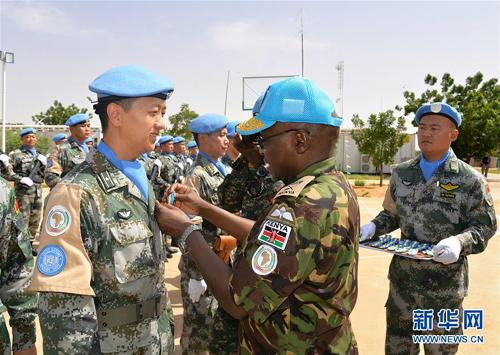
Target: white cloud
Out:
[46,18]
[243,36]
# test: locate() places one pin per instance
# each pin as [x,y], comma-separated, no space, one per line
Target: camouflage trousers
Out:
[399,315]
[30,207]
[4,337]
[198,318]
[223,337]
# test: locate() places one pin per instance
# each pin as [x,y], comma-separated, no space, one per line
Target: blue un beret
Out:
[192,144]
[131,81]
[208,123]
[26,131]
[76,119]
[88,140]
[157,144]
[297,100]
[439,108]
[165,139]
[59,137]
[231,128]
[178,140]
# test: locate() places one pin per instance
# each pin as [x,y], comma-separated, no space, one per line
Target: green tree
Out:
[57,114]
[477,101]
[180,122]
[381,138]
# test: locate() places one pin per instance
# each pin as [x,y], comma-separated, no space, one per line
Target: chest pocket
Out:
[27,164]
[447,206]
[132,250]
[404,201]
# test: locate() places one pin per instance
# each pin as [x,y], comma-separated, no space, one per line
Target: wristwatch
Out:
[188,231]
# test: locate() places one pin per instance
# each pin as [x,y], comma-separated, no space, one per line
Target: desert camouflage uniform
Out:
[29,199]
[454,202]
[244,192]
[16,269]
[204,178]
[62,159]
[115,263]
[303,304]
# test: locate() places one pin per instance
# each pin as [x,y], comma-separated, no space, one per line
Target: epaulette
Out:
[106,181]
[294,189]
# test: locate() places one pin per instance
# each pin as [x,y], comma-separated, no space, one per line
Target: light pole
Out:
[5,57]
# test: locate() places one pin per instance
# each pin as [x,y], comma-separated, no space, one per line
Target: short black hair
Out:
[102,110]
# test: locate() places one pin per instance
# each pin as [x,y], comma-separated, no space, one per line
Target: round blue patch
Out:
[51,260]
[50,163]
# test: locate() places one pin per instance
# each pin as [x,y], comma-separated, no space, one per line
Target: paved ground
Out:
[368,317]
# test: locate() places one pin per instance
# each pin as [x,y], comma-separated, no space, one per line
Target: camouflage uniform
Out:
[454,202]
[181,166]
[29,199]
[297,276]
[244,192]
[110,297]
[228,163]
[16,269]
[165,178]
[62,160]
[204,178]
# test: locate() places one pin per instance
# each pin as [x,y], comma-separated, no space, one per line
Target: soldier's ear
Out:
[114,114]
[301,142]
[454,135]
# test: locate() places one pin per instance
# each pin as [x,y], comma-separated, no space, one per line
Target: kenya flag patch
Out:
[275,233]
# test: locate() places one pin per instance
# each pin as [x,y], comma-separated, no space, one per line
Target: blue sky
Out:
[387,47]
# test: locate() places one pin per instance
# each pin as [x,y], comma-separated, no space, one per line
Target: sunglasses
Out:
[262,141]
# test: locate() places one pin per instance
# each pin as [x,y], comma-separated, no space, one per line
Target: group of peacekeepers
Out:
[266,188]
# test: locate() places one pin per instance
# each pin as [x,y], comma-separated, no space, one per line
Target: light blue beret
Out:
[257,105]
[439,108]
[26,131]
[231,128]
[178,140]
[165,139]
[192,144]
[59,137]
[297,100]
[157,144]
[76,119]
[88,140]
[131,81]
[208,123]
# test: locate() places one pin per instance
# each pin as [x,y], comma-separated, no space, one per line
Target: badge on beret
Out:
[265,260]
[436,108]
[51,260]
[58,220]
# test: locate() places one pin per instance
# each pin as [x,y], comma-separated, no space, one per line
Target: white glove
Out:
[26,181]
[448,250]
[158,163]
[42,159]
[196,289]
[4,158]
[367,231]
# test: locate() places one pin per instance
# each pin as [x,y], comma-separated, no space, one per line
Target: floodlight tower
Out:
[340,100]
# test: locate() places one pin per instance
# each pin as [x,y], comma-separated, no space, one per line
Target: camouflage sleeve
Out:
[53,171]
[165,178]
[387,221]
[11,175]
[69,321]
[313,242]
[482,222]
[14,280]
[232,189]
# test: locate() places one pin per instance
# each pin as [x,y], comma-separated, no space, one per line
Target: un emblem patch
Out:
[51,260]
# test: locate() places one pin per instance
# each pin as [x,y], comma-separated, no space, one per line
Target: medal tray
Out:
[420,255]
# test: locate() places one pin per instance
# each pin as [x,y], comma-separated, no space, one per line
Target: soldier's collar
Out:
[109,176]
[319,168]
[451,163]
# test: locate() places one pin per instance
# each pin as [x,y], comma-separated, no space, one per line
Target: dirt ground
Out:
[370,191]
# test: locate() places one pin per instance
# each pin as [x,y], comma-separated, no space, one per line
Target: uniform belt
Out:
[132,313]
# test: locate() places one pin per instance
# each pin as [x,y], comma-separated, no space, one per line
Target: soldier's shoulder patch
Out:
[51,260]
[294,189]
[449,186]
[58,220]
[264,260]
[278,226]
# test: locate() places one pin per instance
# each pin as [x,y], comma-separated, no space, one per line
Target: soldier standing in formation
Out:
[232,153]
[180,158]
[100,272]
[65,157]
[60,139]
[204,178]
[26,169]
[193,153]
[16,270]
[295,283]
[435,198]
